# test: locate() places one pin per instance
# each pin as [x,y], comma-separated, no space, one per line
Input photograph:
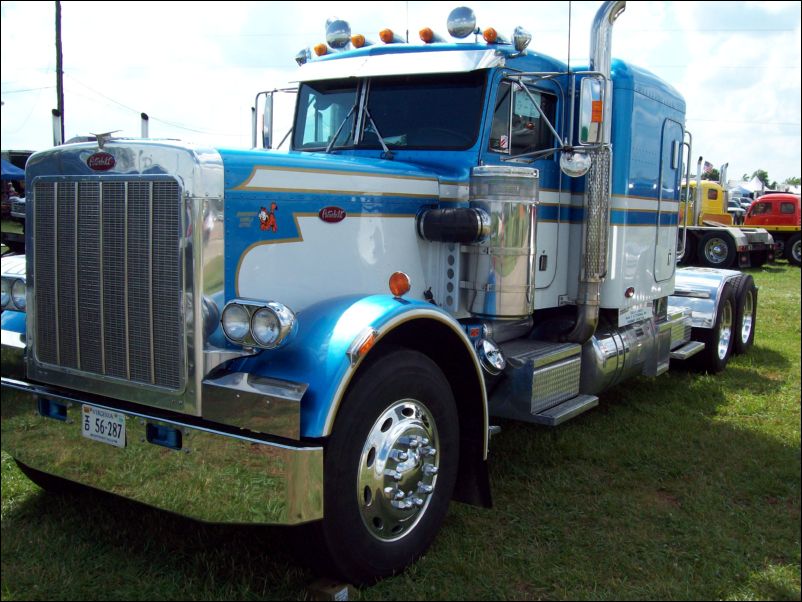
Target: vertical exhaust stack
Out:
[595,228]
[58,140]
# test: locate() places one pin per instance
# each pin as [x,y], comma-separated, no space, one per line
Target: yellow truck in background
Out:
[713,199]
[708,235]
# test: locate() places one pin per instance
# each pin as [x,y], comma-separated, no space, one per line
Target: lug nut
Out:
[393,473]
[424,488]
[399,456]
[429,470]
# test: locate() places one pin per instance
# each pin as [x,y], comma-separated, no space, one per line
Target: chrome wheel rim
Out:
[796,251]
[398,470]
[746,326]
[716,250]
[725,330]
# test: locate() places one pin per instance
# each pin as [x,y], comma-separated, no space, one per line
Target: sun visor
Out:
[404,63]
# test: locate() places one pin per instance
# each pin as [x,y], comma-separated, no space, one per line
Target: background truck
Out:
[778,213]
[712,238]
[321,337]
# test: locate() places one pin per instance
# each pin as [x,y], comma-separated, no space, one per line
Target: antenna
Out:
[569,36]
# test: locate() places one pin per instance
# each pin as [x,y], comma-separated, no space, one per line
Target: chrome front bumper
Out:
[216,476]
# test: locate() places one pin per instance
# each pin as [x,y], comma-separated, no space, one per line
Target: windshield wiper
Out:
[340,129]
[388,154]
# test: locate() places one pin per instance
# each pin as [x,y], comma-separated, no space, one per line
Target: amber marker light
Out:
[490,35]
[387,36]
[426,35]
[357,40]
[363,343]
[399,284]
[321,49]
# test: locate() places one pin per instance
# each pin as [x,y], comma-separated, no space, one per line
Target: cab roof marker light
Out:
[492,36]
[388,36]
[321,49]
[360,41]
[428,36]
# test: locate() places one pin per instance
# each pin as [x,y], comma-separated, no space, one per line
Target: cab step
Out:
[566,410]
[688,350]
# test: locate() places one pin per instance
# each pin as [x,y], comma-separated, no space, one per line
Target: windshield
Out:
[416,111]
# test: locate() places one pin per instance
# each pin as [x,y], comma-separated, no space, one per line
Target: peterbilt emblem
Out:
[101,162]
[332,215]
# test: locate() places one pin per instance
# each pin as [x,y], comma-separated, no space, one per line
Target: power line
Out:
[164,121]
[27,90]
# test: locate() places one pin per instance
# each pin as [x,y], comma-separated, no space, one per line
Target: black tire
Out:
[716,250]
[745,313]
[364,534]
[48,482]
[719,339]
[793,250]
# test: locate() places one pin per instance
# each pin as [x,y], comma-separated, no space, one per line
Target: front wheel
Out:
[390,468]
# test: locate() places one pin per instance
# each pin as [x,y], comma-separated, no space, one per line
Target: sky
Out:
[195,67]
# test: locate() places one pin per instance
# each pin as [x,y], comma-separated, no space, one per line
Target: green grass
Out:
[680,487]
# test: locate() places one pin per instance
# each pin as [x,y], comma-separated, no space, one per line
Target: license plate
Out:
[103,425]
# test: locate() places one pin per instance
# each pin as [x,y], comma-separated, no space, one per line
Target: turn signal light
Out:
[399,284]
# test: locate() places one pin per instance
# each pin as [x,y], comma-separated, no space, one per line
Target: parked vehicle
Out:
[713,237]
[778,213]
[736,211]
[324,334]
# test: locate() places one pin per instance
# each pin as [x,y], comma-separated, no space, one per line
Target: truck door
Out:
[668,195]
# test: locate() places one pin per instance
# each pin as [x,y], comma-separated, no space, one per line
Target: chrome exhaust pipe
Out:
[596,226]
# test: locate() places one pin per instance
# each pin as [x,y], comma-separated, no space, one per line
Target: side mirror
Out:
[573,163]
[591,111]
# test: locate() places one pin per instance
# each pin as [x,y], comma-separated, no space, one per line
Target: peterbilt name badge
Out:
[101,162]
[332,215]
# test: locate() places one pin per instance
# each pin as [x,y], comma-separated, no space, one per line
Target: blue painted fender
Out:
[318,354]
[13,321]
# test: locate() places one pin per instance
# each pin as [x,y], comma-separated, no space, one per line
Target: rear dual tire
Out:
[719,340]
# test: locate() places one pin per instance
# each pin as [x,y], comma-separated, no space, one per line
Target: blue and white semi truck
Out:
[322,336]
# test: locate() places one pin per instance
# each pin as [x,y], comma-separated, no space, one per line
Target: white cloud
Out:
[200,64]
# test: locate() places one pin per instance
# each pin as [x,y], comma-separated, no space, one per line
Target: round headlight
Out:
[236,322]
[265,327]
[6,295]
[18,294]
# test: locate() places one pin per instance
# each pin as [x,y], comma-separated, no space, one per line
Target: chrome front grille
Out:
[108,278]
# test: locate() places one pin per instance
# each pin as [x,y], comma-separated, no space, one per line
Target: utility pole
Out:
[59,68]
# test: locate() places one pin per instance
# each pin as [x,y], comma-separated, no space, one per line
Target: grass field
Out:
[680,487]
